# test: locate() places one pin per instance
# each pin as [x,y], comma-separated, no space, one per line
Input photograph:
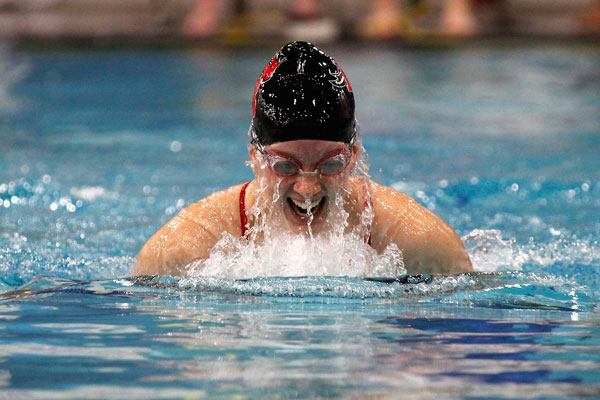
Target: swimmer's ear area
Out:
[355,155]
[254,162]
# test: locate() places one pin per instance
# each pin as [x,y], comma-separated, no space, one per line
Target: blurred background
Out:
[255,21]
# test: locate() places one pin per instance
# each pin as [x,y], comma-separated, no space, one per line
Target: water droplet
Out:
[554,232]
[175,146]
[170,210]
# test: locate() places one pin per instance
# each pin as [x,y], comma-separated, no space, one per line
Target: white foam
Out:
[274,251]
[490,252]
[288,255]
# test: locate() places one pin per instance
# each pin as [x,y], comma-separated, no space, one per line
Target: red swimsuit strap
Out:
[243,216]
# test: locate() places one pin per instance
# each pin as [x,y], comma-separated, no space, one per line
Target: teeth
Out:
[303,205]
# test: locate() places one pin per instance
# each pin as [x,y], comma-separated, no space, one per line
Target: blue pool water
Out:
[100,148]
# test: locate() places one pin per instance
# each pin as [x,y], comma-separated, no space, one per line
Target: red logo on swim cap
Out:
[270,68]
[265,76]
[339,80]
[345,77]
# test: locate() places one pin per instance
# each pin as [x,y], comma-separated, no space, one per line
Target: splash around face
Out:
[303,222]
[307,182]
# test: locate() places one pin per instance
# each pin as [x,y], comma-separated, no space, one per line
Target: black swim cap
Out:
[302,94]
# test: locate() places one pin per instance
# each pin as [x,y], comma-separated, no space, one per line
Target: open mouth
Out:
[303,209]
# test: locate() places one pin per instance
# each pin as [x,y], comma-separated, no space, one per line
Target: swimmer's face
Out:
[306,174]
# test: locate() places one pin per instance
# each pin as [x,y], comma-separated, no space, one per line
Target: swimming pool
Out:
[100,148]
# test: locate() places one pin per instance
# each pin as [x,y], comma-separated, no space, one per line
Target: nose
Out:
[307,186]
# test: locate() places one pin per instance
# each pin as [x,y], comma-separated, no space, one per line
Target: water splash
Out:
[273,247]
[21,262]
[507,290]
[289,255]
[311,217]
[490,252]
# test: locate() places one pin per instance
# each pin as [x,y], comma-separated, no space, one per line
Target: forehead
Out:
[306,149]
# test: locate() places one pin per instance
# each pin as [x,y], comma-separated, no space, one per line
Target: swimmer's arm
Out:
[190,235]
[429,245]
[175,245]
[438,252]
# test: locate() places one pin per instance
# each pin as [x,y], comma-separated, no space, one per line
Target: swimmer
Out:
[304,152]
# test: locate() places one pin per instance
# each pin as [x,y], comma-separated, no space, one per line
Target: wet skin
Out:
[428,244]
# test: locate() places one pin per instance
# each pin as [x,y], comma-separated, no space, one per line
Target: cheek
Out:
[277,185]
[284,186]
[335,183]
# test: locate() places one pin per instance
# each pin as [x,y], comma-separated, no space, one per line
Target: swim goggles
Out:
[284,165]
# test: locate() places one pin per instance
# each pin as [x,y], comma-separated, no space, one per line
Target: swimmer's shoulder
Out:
[385,195]
[219,211]
[428,243]
[399,215]
[191,234]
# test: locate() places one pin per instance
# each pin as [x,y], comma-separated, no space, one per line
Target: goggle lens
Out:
[283,166]
[288,167]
